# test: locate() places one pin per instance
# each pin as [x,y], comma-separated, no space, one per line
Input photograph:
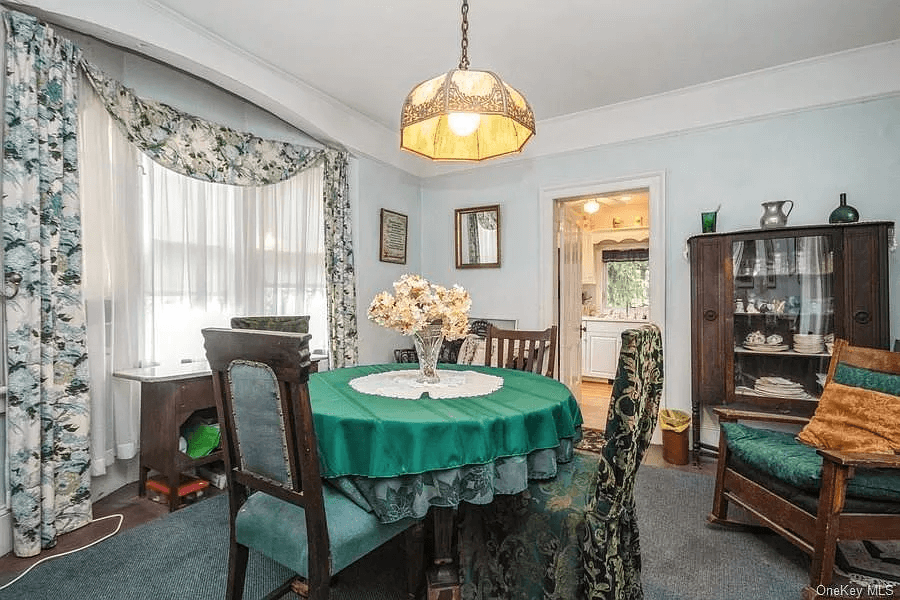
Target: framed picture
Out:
[393,237]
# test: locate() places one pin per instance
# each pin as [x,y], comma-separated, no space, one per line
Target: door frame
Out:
[655,182]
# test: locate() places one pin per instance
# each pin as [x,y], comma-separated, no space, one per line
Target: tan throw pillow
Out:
[854,419]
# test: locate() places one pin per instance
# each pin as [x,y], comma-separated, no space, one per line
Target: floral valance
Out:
[195,147]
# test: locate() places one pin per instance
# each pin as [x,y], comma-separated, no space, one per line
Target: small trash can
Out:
[675,425]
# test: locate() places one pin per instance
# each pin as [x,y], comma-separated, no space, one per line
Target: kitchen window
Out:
[626,281]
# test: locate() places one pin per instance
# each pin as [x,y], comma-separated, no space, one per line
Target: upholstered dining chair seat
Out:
[277,529]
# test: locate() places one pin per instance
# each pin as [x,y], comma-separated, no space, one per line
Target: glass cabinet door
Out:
[783,320]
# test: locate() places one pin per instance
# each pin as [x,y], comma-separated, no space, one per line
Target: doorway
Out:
[604,233]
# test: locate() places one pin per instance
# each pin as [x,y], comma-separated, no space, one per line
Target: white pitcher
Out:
[773,215]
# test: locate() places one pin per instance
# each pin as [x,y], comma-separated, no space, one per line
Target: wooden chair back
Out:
[875,359]
[260,382]
[520,349]
[288,323]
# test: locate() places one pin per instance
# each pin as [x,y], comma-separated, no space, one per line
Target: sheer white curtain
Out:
[219,251]
[815,266]
[166,255]
[112,221]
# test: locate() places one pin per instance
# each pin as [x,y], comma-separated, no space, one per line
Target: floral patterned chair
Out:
[574,536]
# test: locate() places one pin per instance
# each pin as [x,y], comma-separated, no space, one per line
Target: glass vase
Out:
[428,343]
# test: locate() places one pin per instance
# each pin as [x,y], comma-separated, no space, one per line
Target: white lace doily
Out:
[403,384]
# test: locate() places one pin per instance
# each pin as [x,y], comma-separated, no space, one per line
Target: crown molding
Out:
[837,79]
[154,29]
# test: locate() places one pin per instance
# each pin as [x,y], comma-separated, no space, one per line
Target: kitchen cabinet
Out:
[766,306]
[600,345]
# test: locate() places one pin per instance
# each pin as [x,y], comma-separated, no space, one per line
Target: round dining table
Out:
[399,456]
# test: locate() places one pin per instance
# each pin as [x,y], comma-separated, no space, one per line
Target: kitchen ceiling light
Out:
[465,115]
[591,206]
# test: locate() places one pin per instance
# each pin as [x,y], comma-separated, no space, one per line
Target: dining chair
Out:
[278,504]
[574,536]
[521,349]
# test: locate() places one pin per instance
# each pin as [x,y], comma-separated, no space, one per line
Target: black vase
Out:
[844,213]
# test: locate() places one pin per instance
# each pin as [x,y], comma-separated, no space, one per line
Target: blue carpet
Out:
[184,555]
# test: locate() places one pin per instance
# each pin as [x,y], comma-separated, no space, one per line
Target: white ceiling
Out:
[567,57]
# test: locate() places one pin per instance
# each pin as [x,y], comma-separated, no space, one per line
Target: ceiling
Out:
[567,57]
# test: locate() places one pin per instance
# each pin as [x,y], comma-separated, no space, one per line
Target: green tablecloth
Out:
[375,436]
[398,457]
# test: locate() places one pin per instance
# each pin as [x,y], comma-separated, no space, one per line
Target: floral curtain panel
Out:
[48,396]
[48,422]
[197,148]
[340,272]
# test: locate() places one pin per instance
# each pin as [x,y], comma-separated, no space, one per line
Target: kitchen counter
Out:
[612,320]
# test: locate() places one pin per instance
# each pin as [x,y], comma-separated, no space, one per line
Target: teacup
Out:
[774,339]
[756,337]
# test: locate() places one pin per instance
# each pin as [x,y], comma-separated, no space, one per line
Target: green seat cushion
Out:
[780,455]
[887,383]
[278,529]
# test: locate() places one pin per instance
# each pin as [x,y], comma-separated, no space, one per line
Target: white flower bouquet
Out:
[416,304]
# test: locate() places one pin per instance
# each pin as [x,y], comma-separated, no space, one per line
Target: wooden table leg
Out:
[442,576]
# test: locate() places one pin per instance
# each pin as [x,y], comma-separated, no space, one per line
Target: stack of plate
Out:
[765,347]
[779,387]
[809,343]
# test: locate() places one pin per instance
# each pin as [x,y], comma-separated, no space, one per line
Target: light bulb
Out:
[591,206]
[463,124]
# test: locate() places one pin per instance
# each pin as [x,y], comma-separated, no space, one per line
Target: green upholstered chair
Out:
[574,536]
[813,497]
[278,503]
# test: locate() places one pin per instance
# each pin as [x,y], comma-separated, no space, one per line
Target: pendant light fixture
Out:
[465,115]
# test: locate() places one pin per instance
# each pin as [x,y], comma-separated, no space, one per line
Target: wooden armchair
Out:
[574,536]
[817,497]
[278,503]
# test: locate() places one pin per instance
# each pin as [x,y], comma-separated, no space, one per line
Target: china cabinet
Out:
[766,306]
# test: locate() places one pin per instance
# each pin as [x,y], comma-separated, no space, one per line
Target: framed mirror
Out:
[478,237]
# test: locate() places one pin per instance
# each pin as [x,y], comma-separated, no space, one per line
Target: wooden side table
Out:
[169,396]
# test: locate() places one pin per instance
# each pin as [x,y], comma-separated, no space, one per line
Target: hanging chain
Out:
[464,59]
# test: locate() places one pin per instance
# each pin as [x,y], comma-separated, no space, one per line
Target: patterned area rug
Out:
[591,440]
[870,563]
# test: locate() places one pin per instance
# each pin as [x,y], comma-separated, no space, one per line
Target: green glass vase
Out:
[844,213]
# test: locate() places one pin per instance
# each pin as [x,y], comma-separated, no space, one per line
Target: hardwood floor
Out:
[594,403]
